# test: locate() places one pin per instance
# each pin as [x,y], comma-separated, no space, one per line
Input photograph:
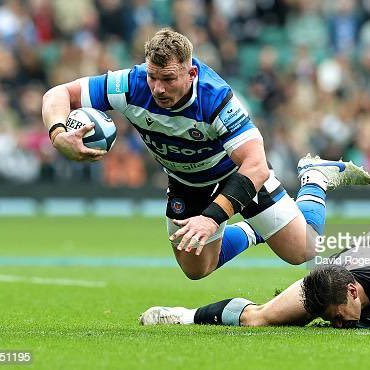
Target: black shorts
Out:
[185,201]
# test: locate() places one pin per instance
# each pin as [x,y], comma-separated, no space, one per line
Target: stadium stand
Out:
[302,68]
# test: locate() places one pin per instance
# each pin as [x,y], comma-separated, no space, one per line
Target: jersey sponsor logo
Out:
[196,134]
[234,116]
[231,115]
[149,120]
[118,84]
[177,205]
[164,149]
[182,167]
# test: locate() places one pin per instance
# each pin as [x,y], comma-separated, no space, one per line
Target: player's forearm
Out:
[285,309]
[241,187]
[252,162]
[56,106]
[257,172]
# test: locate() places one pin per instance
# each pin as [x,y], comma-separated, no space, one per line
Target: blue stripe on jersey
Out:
[244,125]
[225,166]
[98,92]
[213,95]
[179,149]
[236,124]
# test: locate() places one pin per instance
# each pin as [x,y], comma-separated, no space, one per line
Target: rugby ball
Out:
[102,136]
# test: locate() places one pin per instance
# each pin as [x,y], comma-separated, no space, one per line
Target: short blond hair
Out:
[167,45]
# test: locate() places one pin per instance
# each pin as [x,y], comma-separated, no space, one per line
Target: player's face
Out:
[345,315]
[170,83]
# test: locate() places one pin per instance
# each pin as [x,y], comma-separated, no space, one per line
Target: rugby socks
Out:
[236,239]
[226,312]
[188,316]
[311,199]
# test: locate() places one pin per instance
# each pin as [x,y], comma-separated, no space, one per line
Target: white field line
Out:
[51,281]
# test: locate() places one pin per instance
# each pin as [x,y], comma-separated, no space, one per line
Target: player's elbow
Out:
[53,95]
[262,174]
[46,97]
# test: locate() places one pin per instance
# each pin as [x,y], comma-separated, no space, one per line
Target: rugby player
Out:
[339,293]
[197,129]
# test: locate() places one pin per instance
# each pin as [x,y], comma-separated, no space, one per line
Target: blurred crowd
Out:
[301,67]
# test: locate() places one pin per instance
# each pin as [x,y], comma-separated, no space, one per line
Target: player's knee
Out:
[195,275]
[296,260]
[299,258]
[303,252]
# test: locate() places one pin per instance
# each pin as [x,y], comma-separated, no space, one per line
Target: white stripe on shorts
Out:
[274,218]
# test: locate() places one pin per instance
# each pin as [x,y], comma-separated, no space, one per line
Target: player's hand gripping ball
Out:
[102,136]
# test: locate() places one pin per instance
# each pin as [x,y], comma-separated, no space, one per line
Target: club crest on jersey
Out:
[177,205]
[196,134]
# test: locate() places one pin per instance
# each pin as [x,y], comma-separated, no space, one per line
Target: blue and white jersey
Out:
[192,142]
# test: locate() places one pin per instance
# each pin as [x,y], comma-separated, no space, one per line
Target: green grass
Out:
[71,327]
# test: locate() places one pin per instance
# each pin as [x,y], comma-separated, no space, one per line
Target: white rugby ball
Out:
[102,136]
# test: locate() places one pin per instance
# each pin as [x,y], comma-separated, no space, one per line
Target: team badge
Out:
[177,205]
[196,134]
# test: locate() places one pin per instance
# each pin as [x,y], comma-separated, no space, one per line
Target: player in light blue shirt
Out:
[195,127]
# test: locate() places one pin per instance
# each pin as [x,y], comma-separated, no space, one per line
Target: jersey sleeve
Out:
[107,91]
[233,124]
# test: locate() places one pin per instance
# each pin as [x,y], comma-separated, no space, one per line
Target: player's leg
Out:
[196,267]
[274,214]
[226,243]
[295,242]
[285,309]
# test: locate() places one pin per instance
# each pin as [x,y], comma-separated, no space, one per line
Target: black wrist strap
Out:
[54,127]
[215,212]
[237,193]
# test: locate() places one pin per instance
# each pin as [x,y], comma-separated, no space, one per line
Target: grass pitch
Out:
[81,316]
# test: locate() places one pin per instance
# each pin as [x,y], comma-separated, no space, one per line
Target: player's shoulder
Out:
[139,71]
[210,82]
[212,89]
[128,80]
[137,75]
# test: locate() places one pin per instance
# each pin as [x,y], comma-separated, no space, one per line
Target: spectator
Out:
[309,94]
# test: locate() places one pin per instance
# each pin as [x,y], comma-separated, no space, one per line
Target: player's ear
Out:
[352,290]
[193,72]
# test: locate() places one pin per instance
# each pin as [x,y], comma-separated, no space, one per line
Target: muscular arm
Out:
[251,159]
[59,101]
[285,309]
[57,104]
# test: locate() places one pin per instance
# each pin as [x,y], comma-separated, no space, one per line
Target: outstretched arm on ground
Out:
[284,309]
